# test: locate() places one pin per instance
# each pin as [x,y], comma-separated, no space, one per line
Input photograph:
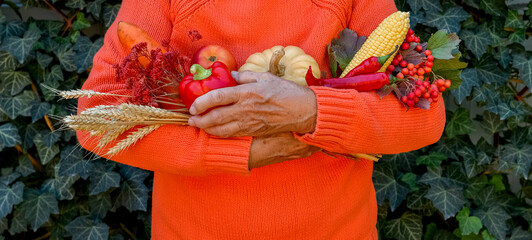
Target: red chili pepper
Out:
[361,83]
[201,81]
[370,65]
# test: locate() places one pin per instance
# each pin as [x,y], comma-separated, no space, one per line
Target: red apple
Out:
[207,55]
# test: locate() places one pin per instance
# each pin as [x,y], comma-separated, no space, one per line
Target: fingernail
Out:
[192,110]
[191,122]
[234,74]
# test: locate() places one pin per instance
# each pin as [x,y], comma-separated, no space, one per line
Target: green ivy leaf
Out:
[415,18]
[100,204]
[468,224]
[386,187]
[85,51]
[8,176]
[408,226]
[4,225]
[428,5]
[61,187]
[494,218]
[493,7]
[20,47]
[102,178]
[133,174]
[448,20]
[492,122]
[12,28]
[448,199]
[459,124]
[25,168]
[9,136]
[432,176]
[477,41]
[417,201]
[50,28]
[10,196]
[524,64]
[80,22]
[95,8]
[134,196]
[434,159]
[475,186]
[13,82]
[72,163]
[470,79]
[38,206]
[503,56]
[84,228]
[518,36]
[76,4]
[46,153]
[38,110]
[496,181]
[18,223]
[489,72]
[29,133]
[52,79]
[109,13]
[18,105]
[520,157]
[44,59]
[7,61]
[405,162]
[513,21]
[66,56]
[410,180]
[519,234]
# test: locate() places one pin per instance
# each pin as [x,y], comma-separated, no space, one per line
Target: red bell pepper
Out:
[201,81]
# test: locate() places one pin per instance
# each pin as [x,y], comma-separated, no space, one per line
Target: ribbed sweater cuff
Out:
[227,155]
[333,118]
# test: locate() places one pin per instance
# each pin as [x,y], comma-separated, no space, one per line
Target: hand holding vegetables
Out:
[201,81]
[262,105]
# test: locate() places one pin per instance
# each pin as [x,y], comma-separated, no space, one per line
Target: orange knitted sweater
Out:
[203,188]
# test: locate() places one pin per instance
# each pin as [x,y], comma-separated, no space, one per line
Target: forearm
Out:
[354,122]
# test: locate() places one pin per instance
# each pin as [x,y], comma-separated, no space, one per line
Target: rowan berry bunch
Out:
[416,69]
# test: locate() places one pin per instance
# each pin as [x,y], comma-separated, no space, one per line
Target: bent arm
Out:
[360,122]
[171,149]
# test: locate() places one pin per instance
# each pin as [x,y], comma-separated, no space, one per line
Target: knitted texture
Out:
[203,188]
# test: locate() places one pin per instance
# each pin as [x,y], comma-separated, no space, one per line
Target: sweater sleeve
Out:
[171,149]
[360,122]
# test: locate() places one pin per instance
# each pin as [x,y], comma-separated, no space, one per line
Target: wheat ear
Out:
[112,135]
[131,139]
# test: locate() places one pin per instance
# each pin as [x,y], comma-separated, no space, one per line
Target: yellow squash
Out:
[290,63]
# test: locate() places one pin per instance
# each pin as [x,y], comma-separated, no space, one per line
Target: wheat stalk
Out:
[132,139]
[112,135]
[78,93]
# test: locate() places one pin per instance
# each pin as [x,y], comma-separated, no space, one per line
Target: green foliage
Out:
[474,183]
[49,186]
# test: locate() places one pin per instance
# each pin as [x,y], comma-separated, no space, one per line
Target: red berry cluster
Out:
[426,90]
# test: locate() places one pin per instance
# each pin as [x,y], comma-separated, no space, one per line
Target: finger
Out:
[246,77]
[217,116]
[231,129]
[214,98]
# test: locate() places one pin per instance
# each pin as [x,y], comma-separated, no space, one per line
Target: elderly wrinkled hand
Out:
[263,104]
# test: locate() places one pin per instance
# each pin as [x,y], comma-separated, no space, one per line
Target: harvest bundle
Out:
[161,86]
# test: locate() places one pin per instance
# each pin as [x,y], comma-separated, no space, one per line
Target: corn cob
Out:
[383,40]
